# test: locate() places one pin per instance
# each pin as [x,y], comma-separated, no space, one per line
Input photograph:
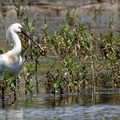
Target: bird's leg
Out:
[3,93]
[14,89]
[3,103]
[3,84]
[3,97]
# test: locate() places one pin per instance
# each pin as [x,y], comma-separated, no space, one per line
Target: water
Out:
[102,104]
[87,106]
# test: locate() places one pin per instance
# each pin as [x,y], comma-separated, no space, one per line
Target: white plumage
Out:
[12,61]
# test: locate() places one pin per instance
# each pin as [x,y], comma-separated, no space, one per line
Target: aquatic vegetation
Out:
[83,57]
[76,46]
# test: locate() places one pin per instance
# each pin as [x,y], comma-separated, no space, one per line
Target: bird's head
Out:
[17,28]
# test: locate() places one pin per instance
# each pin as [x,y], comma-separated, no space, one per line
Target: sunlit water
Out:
[104,104]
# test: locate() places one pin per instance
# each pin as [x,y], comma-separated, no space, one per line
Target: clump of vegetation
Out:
[81,66]
[78,66]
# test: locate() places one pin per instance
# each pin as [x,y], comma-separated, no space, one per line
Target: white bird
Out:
[11,61]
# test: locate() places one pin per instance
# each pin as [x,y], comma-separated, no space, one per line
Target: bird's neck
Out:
[17,44]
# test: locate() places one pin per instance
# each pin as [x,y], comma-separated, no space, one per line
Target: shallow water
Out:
[104,104]
[89,106]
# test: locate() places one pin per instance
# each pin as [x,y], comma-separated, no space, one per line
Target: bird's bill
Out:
[22,30]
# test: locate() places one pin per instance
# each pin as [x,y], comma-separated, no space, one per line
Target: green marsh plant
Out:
[80,55]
